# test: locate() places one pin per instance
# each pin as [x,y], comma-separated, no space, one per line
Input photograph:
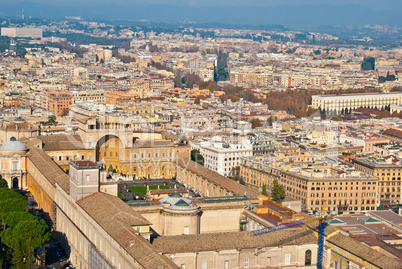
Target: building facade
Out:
[341,102]
[388,171]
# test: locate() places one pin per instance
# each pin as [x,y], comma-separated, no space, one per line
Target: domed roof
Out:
[13,145]
[175,194]
[177,202]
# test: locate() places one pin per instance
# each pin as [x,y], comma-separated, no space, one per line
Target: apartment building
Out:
[344,189]
[388,171]
[22,32]
[253,79]
[59,102]
[222,156]
[93,96]
[337,102]
[367,140]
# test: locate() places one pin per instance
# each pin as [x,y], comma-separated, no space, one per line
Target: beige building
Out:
[177,215]
[101,231]
[344,189]
[208,182]
[13,163]
[17,128]
[352,101]
[293,248]
[388,171]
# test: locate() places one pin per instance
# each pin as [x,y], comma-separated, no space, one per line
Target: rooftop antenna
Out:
[22,15]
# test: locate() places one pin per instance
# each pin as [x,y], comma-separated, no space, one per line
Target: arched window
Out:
[307,257]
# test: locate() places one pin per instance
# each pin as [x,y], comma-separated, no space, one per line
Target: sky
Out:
[291,13]
[375,4]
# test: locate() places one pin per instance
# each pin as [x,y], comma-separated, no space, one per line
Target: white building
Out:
[221,156]
[22,32]
[352,101]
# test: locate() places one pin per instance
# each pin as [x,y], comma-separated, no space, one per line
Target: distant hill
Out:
[291,16]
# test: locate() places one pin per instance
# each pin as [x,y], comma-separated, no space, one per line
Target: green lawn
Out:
[142,190]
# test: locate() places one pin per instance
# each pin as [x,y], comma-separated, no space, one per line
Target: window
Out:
[15,166]
[204,265]
[287,259]
[246,263]
[226,265]
[186,230]
[183,266]
[269,261]
[87,177]
[307,257]
[82,157]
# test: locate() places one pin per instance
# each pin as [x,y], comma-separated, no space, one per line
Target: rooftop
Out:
[216,178]
[234,240]
[118,220]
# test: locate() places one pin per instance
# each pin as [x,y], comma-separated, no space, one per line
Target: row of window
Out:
[156,155]
[307,261]
[67,158]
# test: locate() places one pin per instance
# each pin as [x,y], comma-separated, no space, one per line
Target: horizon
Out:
[305,14]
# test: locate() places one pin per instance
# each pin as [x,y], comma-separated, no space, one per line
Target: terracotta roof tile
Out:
[53,173]
[233,240]
[117,219]
[61,142]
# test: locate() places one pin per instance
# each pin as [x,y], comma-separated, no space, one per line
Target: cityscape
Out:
[142,138]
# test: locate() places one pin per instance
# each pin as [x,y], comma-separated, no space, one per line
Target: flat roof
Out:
[354,95]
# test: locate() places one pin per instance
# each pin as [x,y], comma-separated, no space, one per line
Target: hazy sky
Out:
[285,12]
[375,4]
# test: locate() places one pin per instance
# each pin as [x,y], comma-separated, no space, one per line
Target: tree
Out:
[278,192]
[110,169]
[197,157]
[235,172]
[51,120]
[23,238]
[264,190]
[177,81]
[346,111]
[11,219]
[317,52]
[269,121]
[337,119]
[212,86]
[368,64]
[203,85]
[3,182]
[192,79]
[198,98]
[256,123]
[342,111]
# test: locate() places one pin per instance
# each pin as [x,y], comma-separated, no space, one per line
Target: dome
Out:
[13,146]
[177,202]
